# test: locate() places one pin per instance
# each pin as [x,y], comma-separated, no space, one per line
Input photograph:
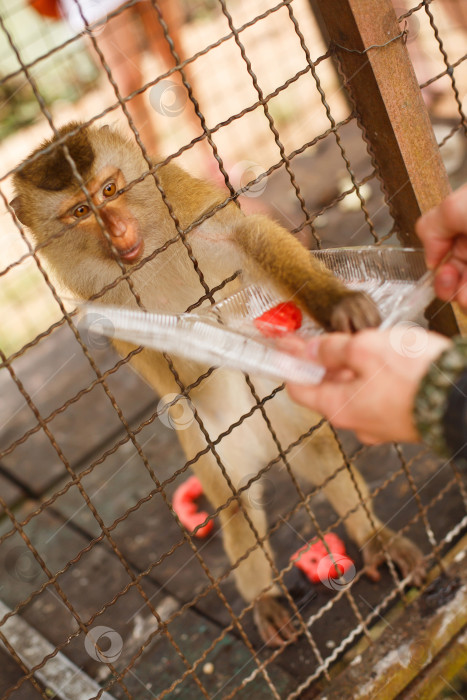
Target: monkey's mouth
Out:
[133,253]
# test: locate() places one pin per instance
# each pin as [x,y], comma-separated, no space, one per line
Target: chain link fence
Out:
[105,594]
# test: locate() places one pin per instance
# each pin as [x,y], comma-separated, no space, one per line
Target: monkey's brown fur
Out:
[137,223]
[52,171]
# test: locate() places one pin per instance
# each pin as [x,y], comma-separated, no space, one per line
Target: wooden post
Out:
[380,79]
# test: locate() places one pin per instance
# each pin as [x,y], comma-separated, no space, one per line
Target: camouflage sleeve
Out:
[440,409]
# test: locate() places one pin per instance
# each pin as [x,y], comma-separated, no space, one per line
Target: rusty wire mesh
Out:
[94,558]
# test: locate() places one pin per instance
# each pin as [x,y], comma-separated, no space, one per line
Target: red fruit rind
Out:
[284,318]
[308,558]
[187,510]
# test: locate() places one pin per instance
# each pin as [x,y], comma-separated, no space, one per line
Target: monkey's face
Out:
[65,222]
[115,211]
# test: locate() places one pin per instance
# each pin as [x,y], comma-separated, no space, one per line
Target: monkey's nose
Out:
[115,224]
[118,228]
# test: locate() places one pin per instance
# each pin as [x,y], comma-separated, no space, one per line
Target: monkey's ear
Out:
[15,204]
[106,127]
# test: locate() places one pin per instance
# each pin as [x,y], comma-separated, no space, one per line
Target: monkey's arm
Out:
[278,256]
[267,251]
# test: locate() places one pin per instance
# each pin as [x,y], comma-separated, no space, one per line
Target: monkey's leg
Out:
[220,400]
[318,460]
[243,521]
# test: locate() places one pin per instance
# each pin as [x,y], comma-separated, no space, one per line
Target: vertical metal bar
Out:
[391,112]
[323,30]
[381,82]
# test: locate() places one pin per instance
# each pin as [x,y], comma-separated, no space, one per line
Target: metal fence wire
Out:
[105,593]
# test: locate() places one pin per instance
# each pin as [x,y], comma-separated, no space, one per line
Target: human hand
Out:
[371,380]
[443,231]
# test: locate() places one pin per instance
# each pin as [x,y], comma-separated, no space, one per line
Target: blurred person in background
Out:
[123,39]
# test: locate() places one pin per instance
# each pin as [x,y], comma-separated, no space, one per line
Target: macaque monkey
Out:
[50,202]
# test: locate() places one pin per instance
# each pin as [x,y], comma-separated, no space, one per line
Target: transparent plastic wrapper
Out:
[396,278]
[228,334]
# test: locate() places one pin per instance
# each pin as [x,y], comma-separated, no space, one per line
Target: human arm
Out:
[374,380]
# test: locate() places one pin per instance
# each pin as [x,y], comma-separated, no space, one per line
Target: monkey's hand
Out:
[273,621]
[272,253]
[354,312]
[404,553]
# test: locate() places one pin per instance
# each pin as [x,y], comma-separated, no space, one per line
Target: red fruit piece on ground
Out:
[184,505]
[316,562]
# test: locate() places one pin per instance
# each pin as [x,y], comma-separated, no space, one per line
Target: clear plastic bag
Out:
[226,335]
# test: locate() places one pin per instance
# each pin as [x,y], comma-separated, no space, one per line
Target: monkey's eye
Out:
[80,211]
[109,189]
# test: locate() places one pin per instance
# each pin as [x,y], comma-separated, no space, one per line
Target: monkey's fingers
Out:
[373,557]
[409,559]
[404,553]
[355,312]
[273,622]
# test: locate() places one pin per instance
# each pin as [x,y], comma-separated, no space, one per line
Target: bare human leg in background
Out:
[123,42]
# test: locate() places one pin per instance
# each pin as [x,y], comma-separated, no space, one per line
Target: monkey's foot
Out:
[354,312]
[404,553]
[273,621]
